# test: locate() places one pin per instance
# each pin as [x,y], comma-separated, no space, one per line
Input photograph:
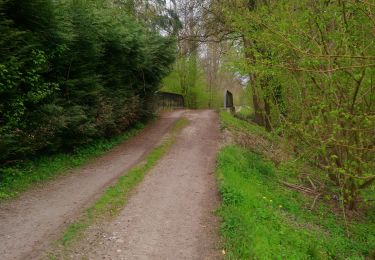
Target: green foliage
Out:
[263,220]
[312,76]
[72,72]
[188,79]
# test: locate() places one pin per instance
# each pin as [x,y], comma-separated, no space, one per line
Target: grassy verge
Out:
[236,124]
[246,113]
[116,196]
[261,219]
[15,179]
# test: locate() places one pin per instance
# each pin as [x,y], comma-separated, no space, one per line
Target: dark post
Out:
[228,101]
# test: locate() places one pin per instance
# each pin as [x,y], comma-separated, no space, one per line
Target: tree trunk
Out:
[257,104]
[350,194]
[267,115]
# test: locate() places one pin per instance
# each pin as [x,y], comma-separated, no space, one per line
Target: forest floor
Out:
[166,216]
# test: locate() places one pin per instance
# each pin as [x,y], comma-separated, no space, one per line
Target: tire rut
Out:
[170,214]
[37,217]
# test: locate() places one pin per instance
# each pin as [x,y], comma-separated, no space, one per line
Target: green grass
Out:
[263,220]
[245,113]
[116,196]
[233,123]
[16,179]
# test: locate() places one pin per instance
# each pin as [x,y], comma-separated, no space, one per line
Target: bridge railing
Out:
[166,100]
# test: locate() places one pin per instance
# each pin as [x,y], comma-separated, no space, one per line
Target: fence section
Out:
[165,100]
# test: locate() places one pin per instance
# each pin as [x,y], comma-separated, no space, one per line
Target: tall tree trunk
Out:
[257,103]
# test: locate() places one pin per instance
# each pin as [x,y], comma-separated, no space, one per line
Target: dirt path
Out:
[30,222]
[170,215]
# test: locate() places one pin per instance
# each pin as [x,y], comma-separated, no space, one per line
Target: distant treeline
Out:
[72,71]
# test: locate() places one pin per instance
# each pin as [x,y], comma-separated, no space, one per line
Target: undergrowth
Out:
[18,178]
[246,113]
[263,219]
[233,123]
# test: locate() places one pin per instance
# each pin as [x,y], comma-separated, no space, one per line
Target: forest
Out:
[73,71]
[77,74]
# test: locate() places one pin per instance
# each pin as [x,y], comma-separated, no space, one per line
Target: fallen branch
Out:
[299,188]
[314,202]
[312,183]
[304,190]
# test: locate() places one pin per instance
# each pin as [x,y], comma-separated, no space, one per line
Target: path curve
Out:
[37,217]
[171,213]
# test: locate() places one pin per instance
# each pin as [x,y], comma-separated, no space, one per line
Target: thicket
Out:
[73,71]
[311,70]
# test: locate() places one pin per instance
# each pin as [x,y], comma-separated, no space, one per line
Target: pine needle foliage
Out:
[73,71]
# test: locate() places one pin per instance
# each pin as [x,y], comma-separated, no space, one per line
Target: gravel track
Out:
[170,214]
[30,222]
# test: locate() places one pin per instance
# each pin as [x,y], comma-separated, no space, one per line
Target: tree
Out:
[311,62]
[74,71]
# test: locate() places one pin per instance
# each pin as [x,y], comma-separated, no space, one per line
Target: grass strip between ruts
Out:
[116,196]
